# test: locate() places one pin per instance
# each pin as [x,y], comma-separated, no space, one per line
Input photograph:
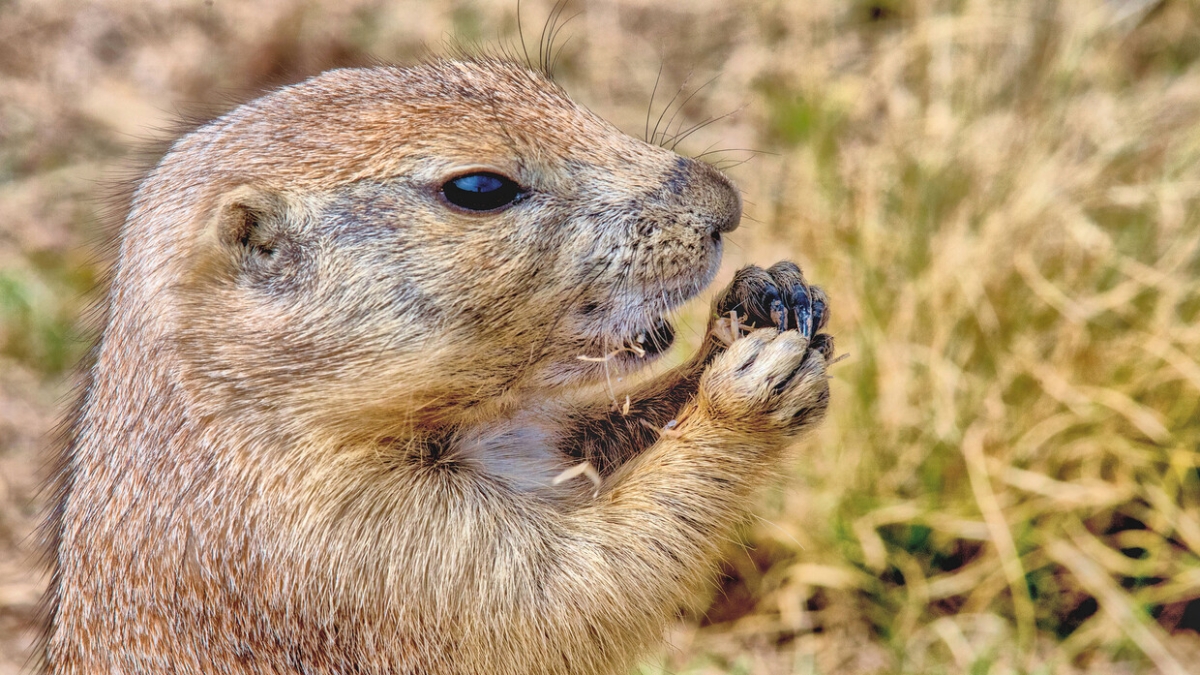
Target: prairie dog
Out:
[340,372]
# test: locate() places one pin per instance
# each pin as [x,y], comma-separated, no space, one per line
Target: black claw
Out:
[753,295]
[804,321]
[802,306]
[823,343]
[763,309]
[778,296]
[779,314]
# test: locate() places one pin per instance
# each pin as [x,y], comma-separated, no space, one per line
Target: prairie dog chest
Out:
[523,451]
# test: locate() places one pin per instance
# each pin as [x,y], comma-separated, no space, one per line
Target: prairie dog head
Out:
[384,246]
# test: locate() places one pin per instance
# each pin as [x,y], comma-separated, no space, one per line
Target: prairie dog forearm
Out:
[623,565]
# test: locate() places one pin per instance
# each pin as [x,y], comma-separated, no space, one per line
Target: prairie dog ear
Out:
[250,220]
[249,231]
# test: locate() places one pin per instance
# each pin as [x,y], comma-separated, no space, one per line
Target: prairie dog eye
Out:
[482,191]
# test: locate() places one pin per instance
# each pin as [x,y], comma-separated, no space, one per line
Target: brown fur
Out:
[327,408]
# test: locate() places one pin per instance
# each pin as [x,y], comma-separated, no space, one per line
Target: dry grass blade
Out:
[1115,603]
[1001,537]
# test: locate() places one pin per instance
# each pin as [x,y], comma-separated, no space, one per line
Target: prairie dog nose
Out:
[706,193]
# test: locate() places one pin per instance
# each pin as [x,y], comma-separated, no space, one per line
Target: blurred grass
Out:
[38,327]
[999,197]
[1009,226]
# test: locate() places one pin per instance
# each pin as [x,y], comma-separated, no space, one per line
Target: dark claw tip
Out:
[772,295]
[823,343]
[804,322]
[802,306]
[819,315]
[779,314]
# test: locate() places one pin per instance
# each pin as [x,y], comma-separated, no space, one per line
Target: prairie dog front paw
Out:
[778,296]
[769,381]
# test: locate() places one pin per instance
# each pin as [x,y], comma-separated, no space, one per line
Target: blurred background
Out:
[1001,198]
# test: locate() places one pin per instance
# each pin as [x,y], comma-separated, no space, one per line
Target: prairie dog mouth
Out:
[643,345]
[631,329]
[652,341]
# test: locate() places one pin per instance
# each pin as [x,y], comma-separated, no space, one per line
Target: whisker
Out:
[650,106]
[562,48]
[678,138]
[752,150]
[725,166]
[681,106]
[521,35]
[543,45]
[668,107]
